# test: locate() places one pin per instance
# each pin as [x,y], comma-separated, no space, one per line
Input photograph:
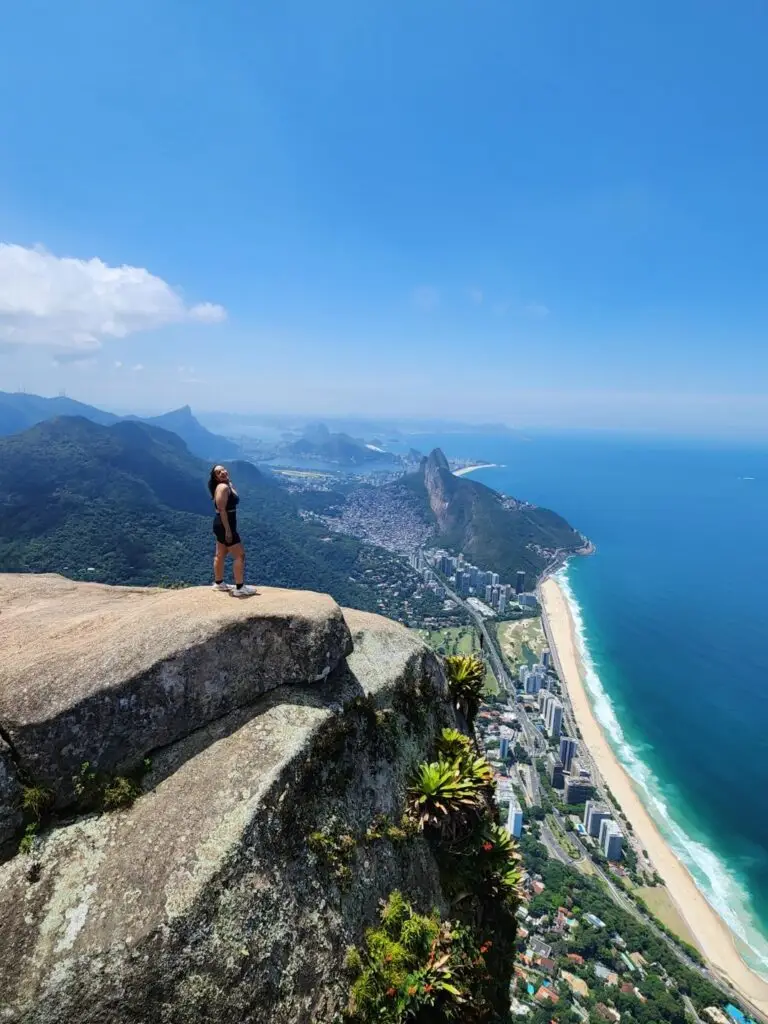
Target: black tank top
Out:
[233,500]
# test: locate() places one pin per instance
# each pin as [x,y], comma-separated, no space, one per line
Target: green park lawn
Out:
[458,640]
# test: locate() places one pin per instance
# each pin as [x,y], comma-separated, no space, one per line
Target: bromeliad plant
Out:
[414,968]
[422,970]
[440,795]
[451,792]
[466,678]
[479,868]
[454,746]
[499,863]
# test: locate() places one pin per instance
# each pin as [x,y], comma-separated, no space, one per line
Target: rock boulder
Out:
[109,674]
[206,902]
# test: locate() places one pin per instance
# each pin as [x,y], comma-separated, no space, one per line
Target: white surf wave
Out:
[720,887]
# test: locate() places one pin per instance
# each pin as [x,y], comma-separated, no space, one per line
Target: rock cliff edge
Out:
[255,724]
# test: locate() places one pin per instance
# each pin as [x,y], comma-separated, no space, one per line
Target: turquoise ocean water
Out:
[673,617]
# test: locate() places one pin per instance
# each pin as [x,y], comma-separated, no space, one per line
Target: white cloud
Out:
[118,365]
[75,305]
[536,309]
[425,297]
[138,367]
[208,313]
[476,295]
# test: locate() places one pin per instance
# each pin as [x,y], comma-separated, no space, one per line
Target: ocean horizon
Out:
[670,619]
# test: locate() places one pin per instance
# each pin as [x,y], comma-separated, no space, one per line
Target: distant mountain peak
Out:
[183,412]
[437,460]
[316,433]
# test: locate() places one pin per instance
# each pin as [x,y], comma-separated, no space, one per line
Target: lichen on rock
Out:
[205,901]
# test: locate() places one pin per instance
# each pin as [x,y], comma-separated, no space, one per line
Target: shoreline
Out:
[471,469]
[715,939]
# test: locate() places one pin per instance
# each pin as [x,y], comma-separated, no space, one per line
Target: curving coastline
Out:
[713,935]
[471,469]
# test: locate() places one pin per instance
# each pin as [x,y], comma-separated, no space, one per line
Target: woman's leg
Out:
[238,554]
[218,563]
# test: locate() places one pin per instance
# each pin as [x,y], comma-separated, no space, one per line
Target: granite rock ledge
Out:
[204,901]
[108,674]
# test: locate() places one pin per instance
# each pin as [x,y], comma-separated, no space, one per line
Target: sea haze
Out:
[672,615]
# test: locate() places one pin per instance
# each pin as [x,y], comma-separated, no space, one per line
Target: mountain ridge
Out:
[495,531]
[319,442]
[19,411]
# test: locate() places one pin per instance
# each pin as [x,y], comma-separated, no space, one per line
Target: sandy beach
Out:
[713,935]
[471,469]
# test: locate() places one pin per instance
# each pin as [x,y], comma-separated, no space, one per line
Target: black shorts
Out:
[219,533]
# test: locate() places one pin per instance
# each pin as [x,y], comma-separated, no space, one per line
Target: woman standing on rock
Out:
[226,500]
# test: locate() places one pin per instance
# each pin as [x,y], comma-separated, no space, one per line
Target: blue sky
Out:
[549,214]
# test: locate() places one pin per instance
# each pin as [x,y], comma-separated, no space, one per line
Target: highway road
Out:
[533,738]
[549,839]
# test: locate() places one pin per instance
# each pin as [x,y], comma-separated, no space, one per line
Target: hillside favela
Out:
[383,447]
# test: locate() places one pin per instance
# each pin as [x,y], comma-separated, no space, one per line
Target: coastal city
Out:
[599,937]
[383,502]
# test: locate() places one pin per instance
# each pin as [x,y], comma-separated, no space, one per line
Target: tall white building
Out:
[502,602]
[611,839]
[504,791]
[568,748]
[544,698]
[595,814]
[541,672]
[554,717]
[532,682]
[546,658]
[515,819]
[495,579]
[505,739]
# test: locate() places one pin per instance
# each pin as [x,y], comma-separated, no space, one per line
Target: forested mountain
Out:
[434,508]
[128,503]
[20,411]
[199,440]
[319,442]
[495,532]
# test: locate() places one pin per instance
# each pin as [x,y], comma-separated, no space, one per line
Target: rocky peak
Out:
[263,721]
[437,460]
[440,484]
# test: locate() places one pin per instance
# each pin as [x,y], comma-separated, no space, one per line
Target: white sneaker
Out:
[244,591]
[223,588]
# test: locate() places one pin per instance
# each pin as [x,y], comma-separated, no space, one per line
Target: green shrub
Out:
[98,791]
[414,967]
[27,843]
[450,793]
[119,792]
[36,800]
